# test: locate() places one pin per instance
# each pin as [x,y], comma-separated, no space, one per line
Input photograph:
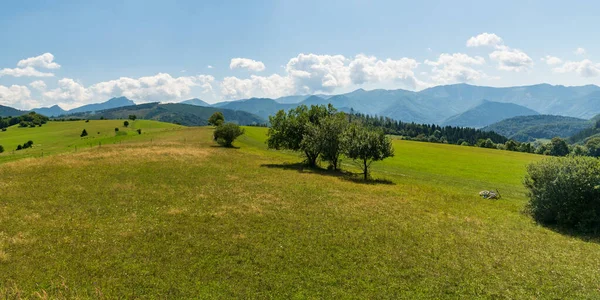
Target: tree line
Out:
[429,132]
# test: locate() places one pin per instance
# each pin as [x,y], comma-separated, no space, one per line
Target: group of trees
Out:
[323,132]
[31,119]
[225,133]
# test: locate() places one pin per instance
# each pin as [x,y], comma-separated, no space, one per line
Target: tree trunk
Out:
[365,169]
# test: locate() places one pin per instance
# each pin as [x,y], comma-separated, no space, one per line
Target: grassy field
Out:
[180,217]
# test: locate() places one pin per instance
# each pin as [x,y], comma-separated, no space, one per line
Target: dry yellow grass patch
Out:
[176,211]
[32,217]
[113,154]
[3,256]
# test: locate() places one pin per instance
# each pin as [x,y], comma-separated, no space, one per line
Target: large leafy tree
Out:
[366,146]
[298,130]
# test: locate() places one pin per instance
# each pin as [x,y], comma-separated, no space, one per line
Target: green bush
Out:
[565,192]
[83,133]
[1,149]
[225,134]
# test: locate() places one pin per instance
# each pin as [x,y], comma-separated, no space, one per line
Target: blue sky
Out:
[76,52]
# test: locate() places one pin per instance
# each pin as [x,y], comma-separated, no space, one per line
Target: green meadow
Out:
[58,137]
[169,214]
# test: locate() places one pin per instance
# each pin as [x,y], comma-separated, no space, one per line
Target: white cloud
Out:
[584,68]
[209,66]
[273,86]
[17,95]
[512,60]
[24,72]
[38,85]
[485,39]
[246,63]
[366,69]
[457,67]
[43,61]
[323,73]
[579,51]
[551,60]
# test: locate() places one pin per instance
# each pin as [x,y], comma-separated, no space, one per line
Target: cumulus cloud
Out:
[551,60]
[160,87]
[246,63]
[27,67]
[273,86]
[584,68]
[17,95]
[579,51]
[24,72]
[45,60]
[485,39]
[512,60]
[508,59]
[457,67]
[38,85]
[364,69]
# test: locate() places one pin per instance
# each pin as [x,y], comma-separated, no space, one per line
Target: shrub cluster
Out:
[28,120]
[25,146]
[565,192]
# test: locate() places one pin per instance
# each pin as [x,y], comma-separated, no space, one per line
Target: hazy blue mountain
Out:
[52,111]
[195,101]
[291,99]
[487,113]
[529,128]
[112,103]
[263,107]
[6,111]
[184,114]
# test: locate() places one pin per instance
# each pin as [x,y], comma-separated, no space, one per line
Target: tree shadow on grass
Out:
[343,175]
[590,237]
[224,147]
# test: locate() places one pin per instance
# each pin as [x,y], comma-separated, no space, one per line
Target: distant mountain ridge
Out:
[184,114]
[55,111]
[447,104]
[488,112]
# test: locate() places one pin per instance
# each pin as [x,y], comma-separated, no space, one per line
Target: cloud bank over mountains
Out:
[306,73]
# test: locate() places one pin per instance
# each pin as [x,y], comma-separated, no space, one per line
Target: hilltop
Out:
[529,128]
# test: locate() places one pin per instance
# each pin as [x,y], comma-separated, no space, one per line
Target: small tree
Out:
[1,149]
[139,131]
[83,133]
[126,123]
[593,147]
[366,146]
[132,117]
[558,147]
[225,134]
[217,119]
[116,129]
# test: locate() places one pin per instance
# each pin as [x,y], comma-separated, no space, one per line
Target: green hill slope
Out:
[529,128]
[58,137]
[184,114]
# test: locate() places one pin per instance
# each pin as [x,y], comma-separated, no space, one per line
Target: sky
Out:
[73,53]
